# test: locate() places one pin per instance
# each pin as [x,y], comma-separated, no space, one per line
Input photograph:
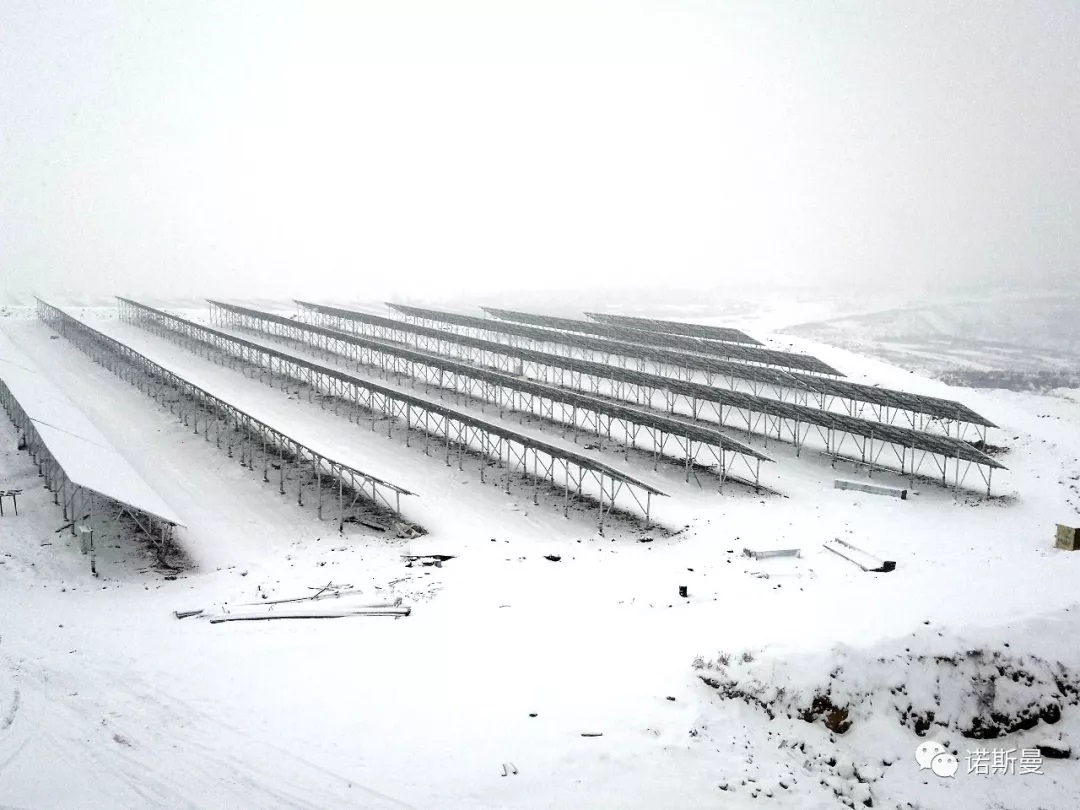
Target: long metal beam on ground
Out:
[886,405]
[536,459]
[698,330]
[193,403]
[506,390]
[641,387]
[617,340]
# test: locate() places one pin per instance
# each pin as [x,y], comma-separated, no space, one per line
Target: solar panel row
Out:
[82,451]
[627,343]
[703,331]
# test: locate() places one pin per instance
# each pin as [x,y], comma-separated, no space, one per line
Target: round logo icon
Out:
[945,765]
[926,752]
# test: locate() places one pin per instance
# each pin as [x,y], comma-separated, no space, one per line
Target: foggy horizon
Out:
[382,150]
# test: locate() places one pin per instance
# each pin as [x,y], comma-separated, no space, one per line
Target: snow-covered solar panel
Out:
[87,458]
[415,400]
[749,354]
[698,330]
[906,437]
[696,432]
[936,407]
[619,340]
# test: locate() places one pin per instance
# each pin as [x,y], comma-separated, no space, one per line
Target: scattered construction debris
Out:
[765,554]
[310,610]
[863,559]
[404,530]
[873,489]
[327,591]
[426,559]
[255,616]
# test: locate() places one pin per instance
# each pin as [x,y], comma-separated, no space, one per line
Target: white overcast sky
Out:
[430,148]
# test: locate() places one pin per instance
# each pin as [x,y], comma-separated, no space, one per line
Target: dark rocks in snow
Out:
[834,717]
[980,694]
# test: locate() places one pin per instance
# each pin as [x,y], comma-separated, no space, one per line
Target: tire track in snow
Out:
[165,752]
[13,709]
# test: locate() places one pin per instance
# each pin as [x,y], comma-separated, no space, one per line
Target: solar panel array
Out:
[695,432]
[433,406]
[949,447]
[277,438]
[934,407]
[703,331]
[625,342]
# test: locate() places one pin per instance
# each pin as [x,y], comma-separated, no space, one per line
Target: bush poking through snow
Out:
[981,694]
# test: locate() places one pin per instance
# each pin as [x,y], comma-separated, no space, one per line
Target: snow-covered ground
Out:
[107,700]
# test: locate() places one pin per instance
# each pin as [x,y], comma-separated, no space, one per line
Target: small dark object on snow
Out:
[669,697]
[171,578]
[683,591]
[427,559]
[591,734]
[1055,749]
[552,557]
[854,554]
[183,614]
[532,714]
